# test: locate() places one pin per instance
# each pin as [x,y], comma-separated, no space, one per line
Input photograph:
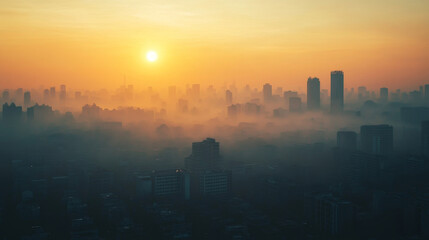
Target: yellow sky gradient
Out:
[93,43]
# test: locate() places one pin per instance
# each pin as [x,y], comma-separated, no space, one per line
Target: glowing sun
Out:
[151,56]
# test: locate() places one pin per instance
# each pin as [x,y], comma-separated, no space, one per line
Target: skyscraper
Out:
[228,97]
[52,92]
[27,99]
[337,91]
[313,93]
[376,139]
[63,92]
[267,92]
[205,155]
[46,95]
[5,96]
[384,94]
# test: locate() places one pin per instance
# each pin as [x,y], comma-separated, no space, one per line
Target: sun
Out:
[151,56]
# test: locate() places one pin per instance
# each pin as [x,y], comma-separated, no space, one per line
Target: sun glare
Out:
[151,56]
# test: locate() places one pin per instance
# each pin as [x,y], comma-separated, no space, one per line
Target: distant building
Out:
[171,183]
[52,93]
[46,95]
[78,95]
[279,112]
[63,93]
[211,183]
[287,95]
[313,93]
[377,139]
[228,97]
[267,92]
[40,113]
[295,104]
[347,140]
[205,156]
[384,94]
[234,110]
[5,96]
[11,113]
[425,137]
[27,99]
[337,91]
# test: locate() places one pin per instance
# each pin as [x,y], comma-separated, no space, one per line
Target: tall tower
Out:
[63,92]
[268,92]
[228,97]
[313,93]
[205,155]
[337,91]
[384,94]
[27,99]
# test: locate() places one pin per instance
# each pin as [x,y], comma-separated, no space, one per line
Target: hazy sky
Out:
[94,43]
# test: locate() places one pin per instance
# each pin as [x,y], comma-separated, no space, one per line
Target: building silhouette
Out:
[46,95]
[27,99]
[63,92]
[337,91]
[52,93]
[313,93]
[295,104]
[377,139]
[384,94]
[267,92]
[205,156]
[5,96]
[228,97]
[11,113]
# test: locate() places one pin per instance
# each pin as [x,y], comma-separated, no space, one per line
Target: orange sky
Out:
[94,43]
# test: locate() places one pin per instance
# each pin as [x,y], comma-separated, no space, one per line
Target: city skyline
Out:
[384,44]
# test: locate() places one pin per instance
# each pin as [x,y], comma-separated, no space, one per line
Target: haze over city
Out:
[289,119]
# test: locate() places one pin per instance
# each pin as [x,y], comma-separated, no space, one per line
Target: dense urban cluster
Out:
[226,163]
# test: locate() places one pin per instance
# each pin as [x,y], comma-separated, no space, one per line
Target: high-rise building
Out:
[11,113]
[52,93]
[171,183]
[211,183]
[27,99]
[313,93]
[205,156]
[295,104]
[63,92]
[287,95]
[228,97]
[337,91]
[377,139]
[384,94]
[46,95]
[267,92]
[347,140]
[425,138]
[5,96]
